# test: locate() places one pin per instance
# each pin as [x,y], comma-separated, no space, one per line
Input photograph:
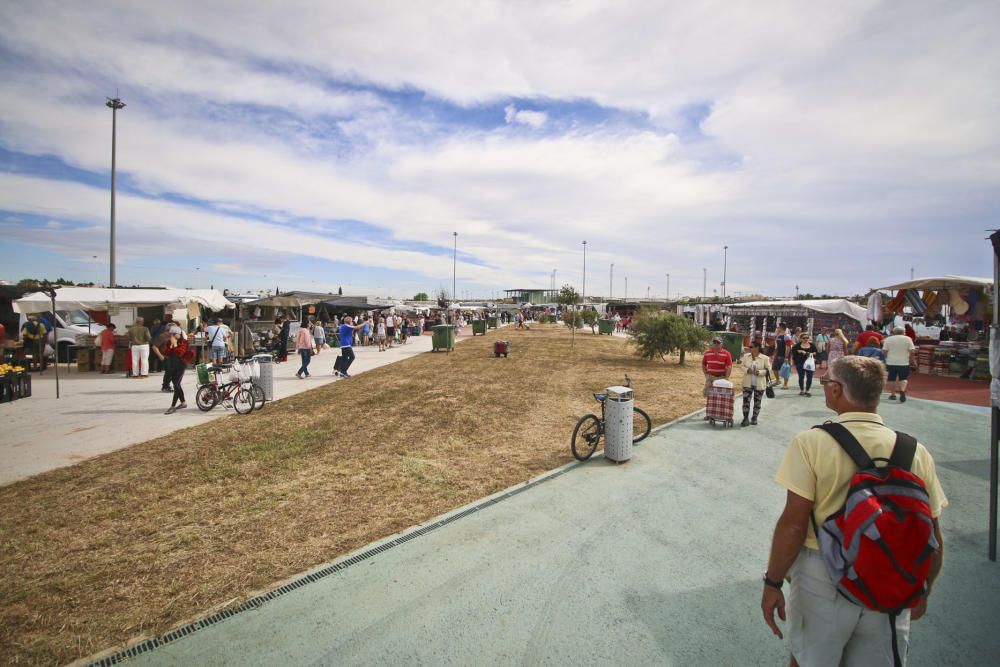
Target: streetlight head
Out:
[114,103]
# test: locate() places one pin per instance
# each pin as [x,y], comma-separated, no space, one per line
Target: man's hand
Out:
[773,599]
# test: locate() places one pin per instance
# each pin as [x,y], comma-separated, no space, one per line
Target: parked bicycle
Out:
[589,430]
[239,392]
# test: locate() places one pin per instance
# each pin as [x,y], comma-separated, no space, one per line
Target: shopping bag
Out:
[769,388]
[810,364]
[786,371]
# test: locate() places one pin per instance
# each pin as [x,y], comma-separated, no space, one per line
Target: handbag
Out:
[786,371]
[769,388]
[809,364]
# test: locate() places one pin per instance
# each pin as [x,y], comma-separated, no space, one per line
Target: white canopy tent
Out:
[99,298]
[802,307]
[942,282]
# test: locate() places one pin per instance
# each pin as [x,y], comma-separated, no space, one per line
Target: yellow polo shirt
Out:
[818,469]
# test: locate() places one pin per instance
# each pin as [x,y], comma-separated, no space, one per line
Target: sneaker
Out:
[171,410]
[745,422]
[298,375]
[182,406]
[902,397]
[802,393]
[753,422]
[336,373]
[167,390]
[892,397]
[808,394]
[345,375]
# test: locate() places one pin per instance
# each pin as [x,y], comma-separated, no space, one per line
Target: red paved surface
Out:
[943,388]
[949,389]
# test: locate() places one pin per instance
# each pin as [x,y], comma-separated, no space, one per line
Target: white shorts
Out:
[825,628]
[107,356]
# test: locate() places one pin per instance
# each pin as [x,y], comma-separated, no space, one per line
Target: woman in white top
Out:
[757,367]
[380,334]
[319,337]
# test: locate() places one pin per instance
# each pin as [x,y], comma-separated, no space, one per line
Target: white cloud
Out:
[534,119]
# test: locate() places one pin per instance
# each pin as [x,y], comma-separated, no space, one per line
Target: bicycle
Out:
[237,392]
[590,428]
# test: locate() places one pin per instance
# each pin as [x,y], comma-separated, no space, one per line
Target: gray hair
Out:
[861,378]
[898,330]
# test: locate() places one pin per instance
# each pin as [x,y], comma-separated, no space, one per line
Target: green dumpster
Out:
[731,341]
[443,338]
[606,327]
[478,327]
[492,321]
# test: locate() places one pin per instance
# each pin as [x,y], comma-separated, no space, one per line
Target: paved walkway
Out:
[656,561]
[96,414]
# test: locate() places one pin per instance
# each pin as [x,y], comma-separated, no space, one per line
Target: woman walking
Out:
[304,345]
[319,336]
[838,346]
[804,357]
[175,355]
[758,369]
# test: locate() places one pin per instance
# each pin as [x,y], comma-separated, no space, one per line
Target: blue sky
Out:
[311,146]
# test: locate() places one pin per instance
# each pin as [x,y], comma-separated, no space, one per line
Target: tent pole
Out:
[994,409]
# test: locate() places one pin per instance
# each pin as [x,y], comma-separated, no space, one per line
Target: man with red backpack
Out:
[855,588]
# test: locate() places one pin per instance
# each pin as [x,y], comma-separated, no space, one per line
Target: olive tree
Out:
[660,334]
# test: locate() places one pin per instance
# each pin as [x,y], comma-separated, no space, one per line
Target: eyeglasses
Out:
[825,380]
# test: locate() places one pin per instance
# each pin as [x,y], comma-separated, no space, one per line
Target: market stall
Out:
[758,320]
[960,304]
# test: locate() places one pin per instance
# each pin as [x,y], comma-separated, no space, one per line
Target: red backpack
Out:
[877,548]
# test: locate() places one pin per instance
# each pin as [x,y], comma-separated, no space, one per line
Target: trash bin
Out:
[201,370]
[478,327]
[501,347]
[443,337]
[618,418]
[732,342]
[492,321]
[606,327]
[264,377]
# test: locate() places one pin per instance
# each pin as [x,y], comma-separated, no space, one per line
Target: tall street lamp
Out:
[725,257]
[611,282]
[626,288]
[668,287]
[704,283]
[583,296]
[114,104]
[454,264]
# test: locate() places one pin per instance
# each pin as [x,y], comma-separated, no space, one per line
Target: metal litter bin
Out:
[606,327]
[265,376]
[492,321]
[618,417]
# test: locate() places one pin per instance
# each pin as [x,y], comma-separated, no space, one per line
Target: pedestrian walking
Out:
[716,363]
[319,336]
[346,358]
[107,339]
[899,356]
[175,355]
[838,347]
[304,346]
[215,338]
[380,334]
[824,626]
[782,343]
[804,358]
[758,370]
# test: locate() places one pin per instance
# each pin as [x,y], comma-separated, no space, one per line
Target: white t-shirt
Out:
[897,350]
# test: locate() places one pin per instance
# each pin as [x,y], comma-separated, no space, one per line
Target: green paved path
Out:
[657,561]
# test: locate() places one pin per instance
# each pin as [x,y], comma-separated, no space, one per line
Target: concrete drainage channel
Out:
[345,562]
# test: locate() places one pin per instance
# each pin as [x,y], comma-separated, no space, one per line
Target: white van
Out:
[68,325]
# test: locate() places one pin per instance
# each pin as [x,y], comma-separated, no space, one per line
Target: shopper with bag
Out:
[804,358]
[755,379]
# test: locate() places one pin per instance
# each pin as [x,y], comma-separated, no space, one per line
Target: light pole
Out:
[725,257]
[454,265]
[704,283]
[626,288]
[583,295]
[668,287]
[611,282]
[647,292]
[114,104]
[553,283]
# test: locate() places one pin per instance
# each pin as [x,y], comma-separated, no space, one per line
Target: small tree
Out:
[421,296]
[442,298]
[572,318]
[567,296]
[663,334]
[590,319]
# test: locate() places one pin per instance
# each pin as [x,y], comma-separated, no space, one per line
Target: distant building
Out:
[532,296]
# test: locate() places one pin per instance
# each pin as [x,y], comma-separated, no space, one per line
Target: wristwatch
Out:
[773,584]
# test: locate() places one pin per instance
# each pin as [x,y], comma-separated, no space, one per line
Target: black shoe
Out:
[345,375]
[892,397]
[167,390]
[745,422]
[753,422]
[902,397]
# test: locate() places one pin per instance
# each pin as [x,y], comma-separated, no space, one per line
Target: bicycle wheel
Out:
[258,396]
[243,401]
[641,425]
[586,436]
[206,398]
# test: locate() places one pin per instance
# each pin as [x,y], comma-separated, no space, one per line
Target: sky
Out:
[833,147]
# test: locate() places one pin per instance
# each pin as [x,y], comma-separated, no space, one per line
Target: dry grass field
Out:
[133,542]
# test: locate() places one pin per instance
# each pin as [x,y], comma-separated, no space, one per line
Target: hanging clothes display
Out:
[897,303]
[959,306]
[875,307]
[915,302]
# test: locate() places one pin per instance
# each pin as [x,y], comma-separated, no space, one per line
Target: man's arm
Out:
[789,536]
[937,560]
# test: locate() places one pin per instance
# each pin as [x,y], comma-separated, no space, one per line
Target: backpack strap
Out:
[848,443]
[903,451]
